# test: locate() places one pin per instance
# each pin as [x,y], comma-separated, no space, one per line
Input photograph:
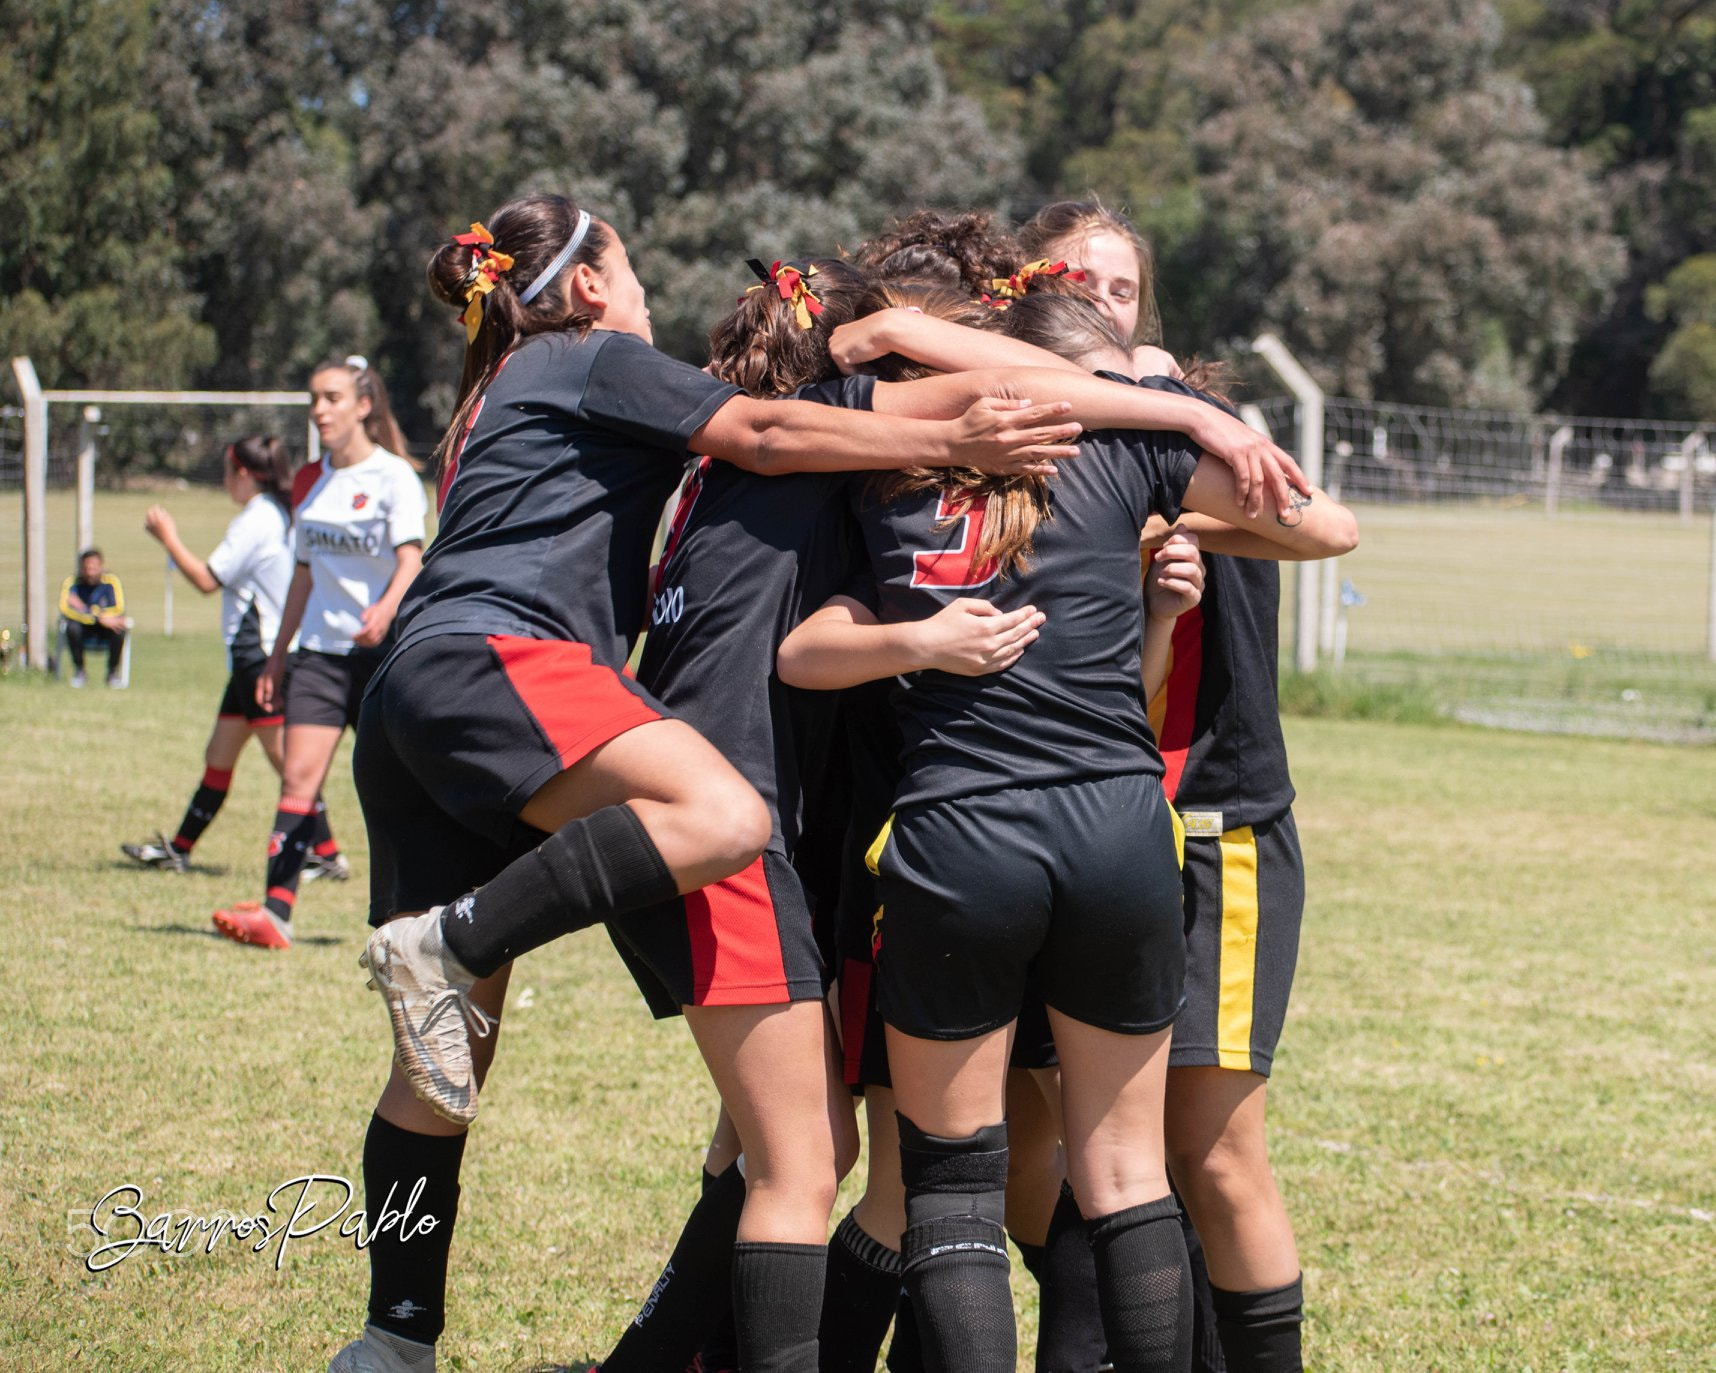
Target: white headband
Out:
[561,258]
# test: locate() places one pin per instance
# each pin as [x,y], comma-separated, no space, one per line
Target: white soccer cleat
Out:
[337,868]
[376,1351]
[156,853]
[428,999]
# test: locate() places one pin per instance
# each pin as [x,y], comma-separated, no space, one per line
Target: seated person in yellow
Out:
[93,604]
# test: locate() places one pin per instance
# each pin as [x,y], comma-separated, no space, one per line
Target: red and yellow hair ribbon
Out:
[1014,287]
[790,282]
[487,264]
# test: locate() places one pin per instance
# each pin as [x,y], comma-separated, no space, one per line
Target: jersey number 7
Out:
[955,567]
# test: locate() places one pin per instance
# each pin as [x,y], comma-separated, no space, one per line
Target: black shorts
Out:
[1073,888]
[239,700]
[458,734]
[1245,899]
[744,941]
[327,688]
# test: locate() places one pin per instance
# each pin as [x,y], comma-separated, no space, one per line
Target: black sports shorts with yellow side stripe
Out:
[1244,900]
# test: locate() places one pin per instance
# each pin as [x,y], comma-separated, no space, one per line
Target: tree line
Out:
[1507,205]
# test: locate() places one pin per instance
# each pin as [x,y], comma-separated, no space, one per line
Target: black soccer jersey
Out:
[747,558]
[1072,708]
[1216,718]
[550,502]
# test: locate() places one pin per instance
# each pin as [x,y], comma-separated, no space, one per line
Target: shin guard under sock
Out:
[905,1350]
[287,844]
[695,1289]
[858,1300]
[205,805]
[1260,1330]
[1206,1340]
[1069,1322]
[408,1179]
[777,1301]
[585,872]
[1144,1288]
[720,1351]
[954,1257]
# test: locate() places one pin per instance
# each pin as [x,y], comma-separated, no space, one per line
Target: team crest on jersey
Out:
[360,500]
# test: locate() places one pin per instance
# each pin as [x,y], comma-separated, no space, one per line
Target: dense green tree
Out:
[1684,372]
[92,268]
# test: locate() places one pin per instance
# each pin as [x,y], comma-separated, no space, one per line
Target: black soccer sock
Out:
[777,1299]
[322,840]
[1069,1321]
[720,1351]
[585,872]
[1144,1288]
[954,1256]
[906,1349]
[74,644]
[1260,1330]
[1206,1339]
[858,1299]
[694,1290]
[408,1178]
[205,805]
[287,843]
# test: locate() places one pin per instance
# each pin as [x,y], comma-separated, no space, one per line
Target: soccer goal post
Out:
[37,611]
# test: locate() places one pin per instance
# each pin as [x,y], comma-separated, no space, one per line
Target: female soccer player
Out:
[251,568]
[1031,841]
[359,536]
[1226,770]
[502,749]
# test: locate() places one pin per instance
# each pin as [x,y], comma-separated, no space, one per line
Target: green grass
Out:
[1492,1106]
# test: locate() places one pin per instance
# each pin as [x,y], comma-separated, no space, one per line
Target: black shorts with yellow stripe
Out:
[1244,901]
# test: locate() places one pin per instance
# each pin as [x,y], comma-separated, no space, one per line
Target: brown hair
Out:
[760,345]
[1014,505]
[1056,228]
[1062,318]
[961,250]
[532,230]
[269,462]
[382,429]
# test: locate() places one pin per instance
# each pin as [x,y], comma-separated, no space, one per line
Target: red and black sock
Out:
[1144,1288]
[859,1296]
[585,872]
[322,841]
[411,1200]
[695,1289]
[1260,1330]
[205,805]
[1069,1321]
[777,1303]
[288,841]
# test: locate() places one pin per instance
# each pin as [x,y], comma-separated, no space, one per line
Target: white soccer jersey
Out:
[349,520]
[254,568]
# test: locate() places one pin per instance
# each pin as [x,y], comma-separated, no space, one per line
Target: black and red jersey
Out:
[550,502]
[1072,708]
[747,557]
[1216,719]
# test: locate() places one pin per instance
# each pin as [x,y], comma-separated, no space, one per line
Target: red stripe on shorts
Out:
[855,979]
[579,704]
[735,943]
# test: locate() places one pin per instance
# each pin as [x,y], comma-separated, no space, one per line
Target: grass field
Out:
[1493,1105]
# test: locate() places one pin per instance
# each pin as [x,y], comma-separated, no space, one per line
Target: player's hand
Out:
[1174,582]
[1151,361]
[159,523]
[1258,465]
[1010,437]
[377,620]
[861,341]
[972,638]
[269,697]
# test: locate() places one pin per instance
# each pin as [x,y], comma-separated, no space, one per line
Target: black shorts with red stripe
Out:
[744,941]
[238,702]
[456,735]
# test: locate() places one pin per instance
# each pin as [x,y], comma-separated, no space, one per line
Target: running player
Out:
[359,515]
[501,747]
[1220,736]
[1031,800]
[251,568]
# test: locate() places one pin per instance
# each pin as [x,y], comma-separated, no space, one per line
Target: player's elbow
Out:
[794,666]
[1343,534]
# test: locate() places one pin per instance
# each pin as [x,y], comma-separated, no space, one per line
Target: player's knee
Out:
[1218,1172]
[846,1147]
[733,824]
